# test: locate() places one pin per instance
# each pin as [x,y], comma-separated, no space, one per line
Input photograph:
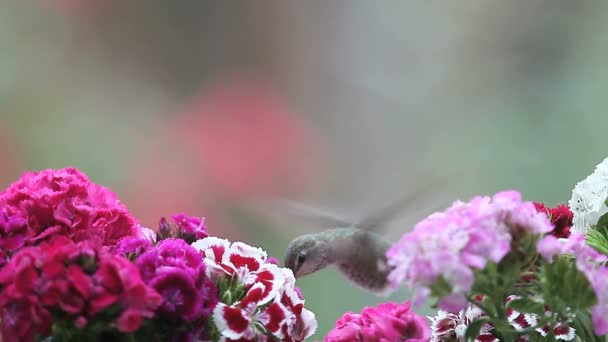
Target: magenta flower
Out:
[460,240]
[62,202]
[386,322]
[191,225]
[177,272]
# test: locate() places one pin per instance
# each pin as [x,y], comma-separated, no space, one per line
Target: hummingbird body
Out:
[358,253]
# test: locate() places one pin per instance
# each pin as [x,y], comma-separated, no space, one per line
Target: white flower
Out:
[588,198]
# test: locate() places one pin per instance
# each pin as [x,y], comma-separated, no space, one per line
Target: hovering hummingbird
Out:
[354,248]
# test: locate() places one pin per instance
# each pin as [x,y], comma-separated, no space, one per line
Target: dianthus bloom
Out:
[591,264]
[61,202]
[187,228]
[452,244]
[258,300]
[177,272]
[385,322]
[588,201]
[561,217]
[62,282]
[446,326]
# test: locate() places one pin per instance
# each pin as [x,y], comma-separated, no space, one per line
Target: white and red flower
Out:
[260,299]
[522,321]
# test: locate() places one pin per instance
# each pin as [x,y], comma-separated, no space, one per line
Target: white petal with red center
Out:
[564,332]
[232,322]
[247,250]
[291,300]
[213,247]
[242,262]
[274,317]
[272,278]
[486,338]
[253,296]
[306,325]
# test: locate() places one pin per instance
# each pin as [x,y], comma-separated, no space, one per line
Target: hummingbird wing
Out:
[379,219]
[313,215]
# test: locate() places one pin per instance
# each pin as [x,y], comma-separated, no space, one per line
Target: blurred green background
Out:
[213,107]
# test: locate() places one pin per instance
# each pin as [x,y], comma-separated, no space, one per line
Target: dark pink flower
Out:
[133,246]
[191,225]
[386,322]
[180,296]
[129,321]
[62,202]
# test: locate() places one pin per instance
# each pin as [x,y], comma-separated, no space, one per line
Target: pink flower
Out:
[62,202]
[191,225]
[460,240]
[129,321]
[386,322]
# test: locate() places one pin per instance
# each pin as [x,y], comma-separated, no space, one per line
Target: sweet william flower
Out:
[63,202]
[453,244]
[589,262]
[561,217]
[385,322]
[258,300]
[588,201]
[76,283]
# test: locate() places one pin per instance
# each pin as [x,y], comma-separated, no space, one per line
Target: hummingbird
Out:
[355,249]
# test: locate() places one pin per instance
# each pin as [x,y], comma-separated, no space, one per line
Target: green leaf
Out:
[474,328]
[525,305]
[597,238]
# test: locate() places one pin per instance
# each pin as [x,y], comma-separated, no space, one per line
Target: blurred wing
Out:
[308,215]
[406,203]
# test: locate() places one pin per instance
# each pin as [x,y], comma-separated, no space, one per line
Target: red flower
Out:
[74,281]
[560,216]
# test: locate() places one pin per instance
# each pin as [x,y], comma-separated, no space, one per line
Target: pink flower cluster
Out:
[76,280]
[385,322]
[258,300]
[591,264]
[177,272]
[454,243]
[61,202]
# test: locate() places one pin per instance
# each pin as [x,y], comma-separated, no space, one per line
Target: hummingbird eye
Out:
[301,259]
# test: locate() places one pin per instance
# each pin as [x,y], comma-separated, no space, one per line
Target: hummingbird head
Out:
[306,254]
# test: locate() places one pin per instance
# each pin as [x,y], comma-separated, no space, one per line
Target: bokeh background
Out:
[218,108]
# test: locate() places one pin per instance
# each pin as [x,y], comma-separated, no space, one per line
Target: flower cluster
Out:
[61,202]
[449,246]
[385,322]
[67,286]
[588,201]
[591,264]
[75,265]
[176,271]
[258,300]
